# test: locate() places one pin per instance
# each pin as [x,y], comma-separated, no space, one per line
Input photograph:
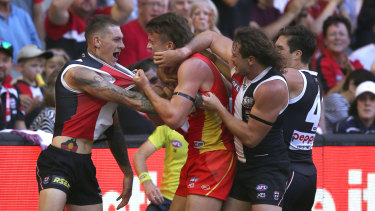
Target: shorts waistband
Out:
[68,153]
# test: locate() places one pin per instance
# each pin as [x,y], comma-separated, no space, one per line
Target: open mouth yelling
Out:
[116,54]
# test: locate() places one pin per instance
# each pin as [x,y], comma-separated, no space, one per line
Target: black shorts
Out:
[73,173]
[300,194]
[264,184]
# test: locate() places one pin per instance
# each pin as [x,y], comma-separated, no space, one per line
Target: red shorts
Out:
[208,174]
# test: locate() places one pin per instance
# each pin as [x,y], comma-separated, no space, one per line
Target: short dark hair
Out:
[171,27]
[253,42]
[358,76]
[144,64]
[99,24]
[300,38]
[334,20]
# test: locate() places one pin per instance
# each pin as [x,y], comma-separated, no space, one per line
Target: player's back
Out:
[301,122]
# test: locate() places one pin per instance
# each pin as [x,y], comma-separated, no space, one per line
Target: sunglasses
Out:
[6,45]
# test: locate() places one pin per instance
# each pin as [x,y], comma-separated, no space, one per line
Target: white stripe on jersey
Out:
[296,99]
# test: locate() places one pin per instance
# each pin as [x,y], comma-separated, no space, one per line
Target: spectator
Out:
[55,63]
[35,10]
[67,19]
[16,27]
[233,14]
[11,115]
[334,64]
[268,19]
[176,149]
[31,62]
[365,25]
[362,111]
[366,54]
[135,37]
[182,7]
[46,118]
[336,105]
[204,16]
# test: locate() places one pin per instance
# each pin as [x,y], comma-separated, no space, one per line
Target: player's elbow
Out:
[174,123]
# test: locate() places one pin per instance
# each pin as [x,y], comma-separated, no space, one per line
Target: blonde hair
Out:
[214,16]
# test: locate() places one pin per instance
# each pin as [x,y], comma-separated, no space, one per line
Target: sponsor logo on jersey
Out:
[198,144]
[206,187]
[235,84]
[302,141]
[176,144]
[261,187]
[248,102]
[276,195]
[261,195]
[60,181]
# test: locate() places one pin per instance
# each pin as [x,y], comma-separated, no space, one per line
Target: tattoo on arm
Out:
[117,145]
[70,145]
[97,81]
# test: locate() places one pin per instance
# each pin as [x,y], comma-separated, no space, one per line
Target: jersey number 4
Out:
[313,116]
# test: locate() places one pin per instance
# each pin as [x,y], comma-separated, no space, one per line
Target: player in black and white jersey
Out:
[260,96]
[297,45]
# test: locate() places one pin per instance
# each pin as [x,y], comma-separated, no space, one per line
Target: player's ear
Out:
[96,41]
[171,45]
[250,60]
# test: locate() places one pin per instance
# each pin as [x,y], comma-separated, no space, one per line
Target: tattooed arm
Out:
[89,81]
[117,145]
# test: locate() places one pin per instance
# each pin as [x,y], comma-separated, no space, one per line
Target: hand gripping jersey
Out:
[243,91]
[206,130]
[79,114]
[301,122]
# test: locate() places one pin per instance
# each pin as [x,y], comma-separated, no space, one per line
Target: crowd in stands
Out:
[36,42]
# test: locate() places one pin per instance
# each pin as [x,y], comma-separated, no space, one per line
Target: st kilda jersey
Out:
[79,114]
[272,147]
[301,122]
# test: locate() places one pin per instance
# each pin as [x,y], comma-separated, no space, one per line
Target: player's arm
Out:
[122,10]
[219,44]
[87,80]
[139,161]
[58,11]
[175,111]
[117,145]
[269,99]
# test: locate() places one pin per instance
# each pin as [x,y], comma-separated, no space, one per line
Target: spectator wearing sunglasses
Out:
[11,115]
[16,27]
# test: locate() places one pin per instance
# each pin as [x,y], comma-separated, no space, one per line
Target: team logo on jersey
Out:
[176,144]
[261,187]
[248,102]
[46,180]
[276,195]
[235,84]
[205,187]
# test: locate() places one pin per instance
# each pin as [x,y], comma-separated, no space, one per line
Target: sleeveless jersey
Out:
[79,114]
[207,131]
[301,122]
[272,147]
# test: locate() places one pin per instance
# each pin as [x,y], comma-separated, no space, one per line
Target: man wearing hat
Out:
[31,61]
[11,115]
[362,111]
